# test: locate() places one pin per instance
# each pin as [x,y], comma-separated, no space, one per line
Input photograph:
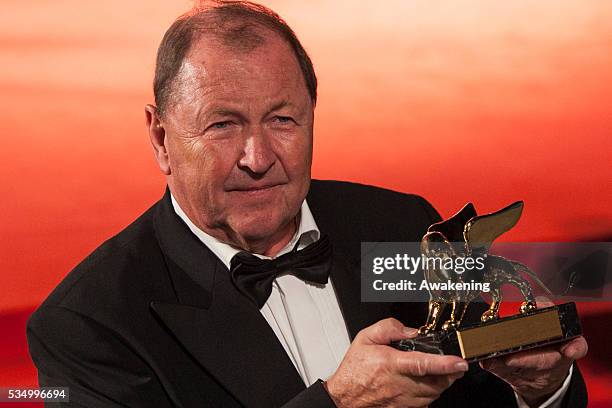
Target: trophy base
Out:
[503,336]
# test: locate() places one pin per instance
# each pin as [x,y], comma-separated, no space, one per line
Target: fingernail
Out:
[409,331]
[462,366]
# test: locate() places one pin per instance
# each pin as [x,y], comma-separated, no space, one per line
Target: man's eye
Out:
[282,119]
[220,125]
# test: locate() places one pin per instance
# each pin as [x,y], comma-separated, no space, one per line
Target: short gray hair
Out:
[235,23]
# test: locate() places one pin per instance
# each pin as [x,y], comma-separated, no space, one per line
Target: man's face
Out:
[239,140]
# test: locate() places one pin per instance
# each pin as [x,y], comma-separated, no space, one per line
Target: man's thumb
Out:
[384,332]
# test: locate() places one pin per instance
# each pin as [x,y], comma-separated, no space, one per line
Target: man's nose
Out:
[258,156]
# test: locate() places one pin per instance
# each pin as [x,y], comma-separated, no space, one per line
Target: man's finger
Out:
[492,364]
[538,359]
[417,364]
[384,332]
[575,349]
[431,386]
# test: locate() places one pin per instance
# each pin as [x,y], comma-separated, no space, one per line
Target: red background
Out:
[456,101]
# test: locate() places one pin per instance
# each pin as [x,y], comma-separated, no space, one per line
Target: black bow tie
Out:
[253,276]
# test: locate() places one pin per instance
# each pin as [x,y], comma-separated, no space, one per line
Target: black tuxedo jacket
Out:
[151,319]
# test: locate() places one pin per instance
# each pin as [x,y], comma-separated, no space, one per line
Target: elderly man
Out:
[185,308]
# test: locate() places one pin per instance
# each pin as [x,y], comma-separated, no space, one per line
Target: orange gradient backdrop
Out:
[456,101]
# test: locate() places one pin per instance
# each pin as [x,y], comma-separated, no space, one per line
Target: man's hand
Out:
[373,374]
[536,374]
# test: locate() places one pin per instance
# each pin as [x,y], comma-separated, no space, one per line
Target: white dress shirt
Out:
[306,317]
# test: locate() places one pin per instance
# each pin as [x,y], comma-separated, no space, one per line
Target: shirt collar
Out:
[306,234]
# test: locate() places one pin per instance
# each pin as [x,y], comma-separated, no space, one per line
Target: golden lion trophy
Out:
[468,236]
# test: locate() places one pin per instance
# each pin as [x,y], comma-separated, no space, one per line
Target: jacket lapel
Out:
[216,325]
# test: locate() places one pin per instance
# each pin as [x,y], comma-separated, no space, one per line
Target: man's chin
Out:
[264,232]
[259,231]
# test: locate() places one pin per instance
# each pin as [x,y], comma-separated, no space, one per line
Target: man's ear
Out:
[157,134]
